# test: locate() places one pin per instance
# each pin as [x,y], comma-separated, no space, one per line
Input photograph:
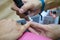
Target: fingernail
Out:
[21,11]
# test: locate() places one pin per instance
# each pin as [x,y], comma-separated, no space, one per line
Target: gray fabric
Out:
[36,18]
[48,20]
[21,22]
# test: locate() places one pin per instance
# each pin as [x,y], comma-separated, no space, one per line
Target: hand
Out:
[32,5]
[52,31]
[11,30]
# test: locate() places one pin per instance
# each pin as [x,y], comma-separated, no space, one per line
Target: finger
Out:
[39,26]
[42,32]
[24,27]
[25,7]
[24,1]
[38,32]
[14,7]
[33,31]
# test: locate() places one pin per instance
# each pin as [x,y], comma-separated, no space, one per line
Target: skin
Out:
[36,5]
[11,30]
[51,30]
[14,30]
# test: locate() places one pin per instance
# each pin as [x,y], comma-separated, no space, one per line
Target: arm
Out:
[51,4]
[36,4]
[54,31]
[51,30]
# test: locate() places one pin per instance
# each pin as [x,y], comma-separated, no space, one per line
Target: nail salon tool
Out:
[30,19]
[19,3]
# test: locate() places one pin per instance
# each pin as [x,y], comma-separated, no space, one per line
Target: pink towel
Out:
[32,36]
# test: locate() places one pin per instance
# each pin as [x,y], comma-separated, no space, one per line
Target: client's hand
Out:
[52,31]
[11,30]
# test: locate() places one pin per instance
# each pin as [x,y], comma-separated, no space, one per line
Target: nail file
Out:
[30,19]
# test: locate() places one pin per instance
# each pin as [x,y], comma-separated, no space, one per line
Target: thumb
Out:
[24,27]
[14,7]
[25,7]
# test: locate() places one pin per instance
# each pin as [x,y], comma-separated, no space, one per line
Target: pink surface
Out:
[32,36]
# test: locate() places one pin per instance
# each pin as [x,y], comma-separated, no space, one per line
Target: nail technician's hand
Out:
[11,30]
[52,31]
[28,4]
[32,5]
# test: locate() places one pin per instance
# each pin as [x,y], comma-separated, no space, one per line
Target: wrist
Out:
[54,31]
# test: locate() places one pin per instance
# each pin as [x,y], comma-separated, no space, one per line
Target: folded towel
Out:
[32,36]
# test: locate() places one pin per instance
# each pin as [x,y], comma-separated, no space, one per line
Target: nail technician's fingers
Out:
[33,30]
[25,7]
[14,7]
